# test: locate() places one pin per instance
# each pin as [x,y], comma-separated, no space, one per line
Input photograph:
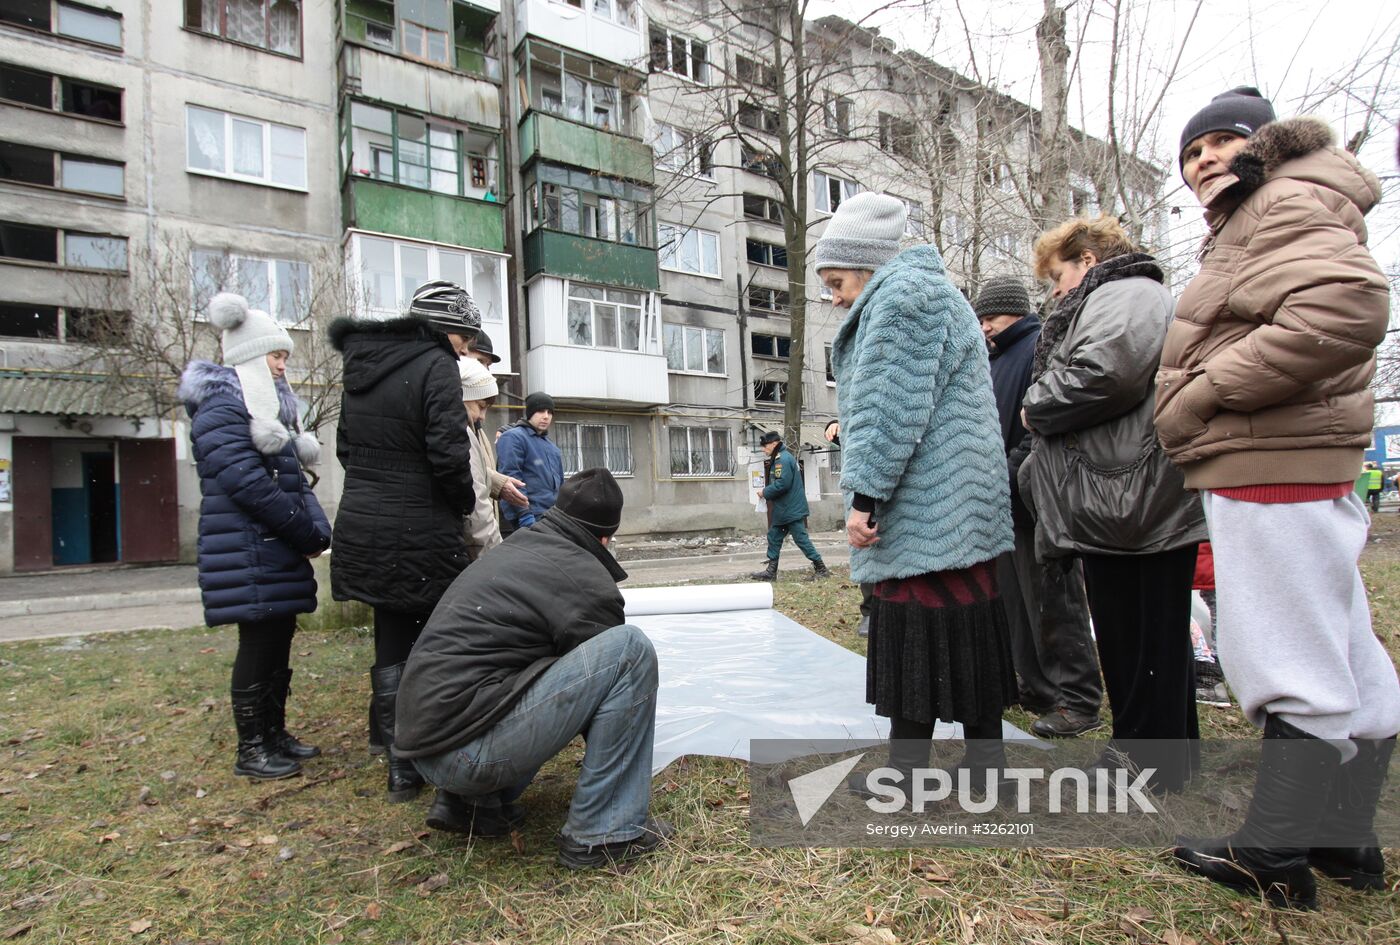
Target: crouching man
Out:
[526,650]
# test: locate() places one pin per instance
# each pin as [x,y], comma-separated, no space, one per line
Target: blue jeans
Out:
[603,689]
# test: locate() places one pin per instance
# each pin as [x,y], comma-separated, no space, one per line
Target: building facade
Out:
[598,173]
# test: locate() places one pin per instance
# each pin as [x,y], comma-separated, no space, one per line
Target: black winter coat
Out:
[258,519]
[404,442]
[500,625]
[1011,352]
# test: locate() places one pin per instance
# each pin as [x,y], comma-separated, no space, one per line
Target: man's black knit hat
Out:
[482,345]
[536,402]
[1243,110]
[593,499]
[1004,295]
[771,436]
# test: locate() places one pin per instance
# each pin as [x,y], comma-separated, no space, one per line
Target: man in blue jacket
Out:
[787,501]
[524,452]
[1046,609]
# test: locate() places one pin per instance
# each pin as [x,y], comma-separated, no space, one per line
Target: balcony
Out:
[546,137]
[395,81]
[591,260]
[423,215]
[598,375]
[614,34]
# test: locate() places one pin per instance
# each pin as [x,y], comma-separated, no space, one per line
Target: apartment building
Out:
[565,160]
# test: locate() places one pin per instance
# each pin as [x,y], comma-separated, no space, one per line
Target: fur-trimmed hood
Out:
[203,380]
[1297,148]
[375,349]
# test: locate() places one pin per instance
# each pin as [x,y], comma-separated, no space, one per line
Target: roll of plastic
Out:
[696,599]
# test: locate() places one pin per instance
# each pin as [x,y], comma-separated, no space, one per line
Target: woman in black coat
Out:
[259,522]
[403,441]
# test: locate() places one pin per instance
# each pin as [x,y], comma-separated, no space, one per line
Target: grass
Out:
[120,821]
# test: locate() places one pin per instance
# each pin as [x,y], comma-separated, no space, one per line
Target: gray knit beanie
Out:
[1004,295]
[447,307]
[863,234]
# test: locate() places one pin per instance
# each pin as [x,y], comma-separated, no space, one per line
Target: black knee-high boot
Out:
[283,741]
[257,756]
[1349,819]
[404,780]
[1269,853]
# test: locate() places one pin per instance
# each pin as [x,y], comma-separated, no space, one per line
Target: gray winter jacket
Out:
[1097,477]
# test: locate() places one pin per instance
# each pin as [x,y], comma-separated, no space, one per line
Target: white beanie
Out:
[249,336]
[863,234]
[477,382]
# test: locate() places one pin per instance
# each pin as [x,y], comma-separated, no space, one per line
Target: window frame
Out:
[60,235]
[769,250]
[667,49]
[772,208]
[464,157]
[705,335]
[56,82]
[774,307]
[672,251]
[822,195]
[695,151]
[762,164]
[571,446]
[767,118]
[779,388]
[780,348]
[708,450]
[221,13]
[267,126]
[434,271]
[536,54]
[231,263]
[593,321]
[59,5]
[64,318]
[836,115]
[553,193]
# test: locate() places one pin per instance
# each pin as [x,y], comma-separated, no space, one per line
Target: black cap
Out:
[1243,110]
[593,499]
[1004,295]
[536,402]
[481,344]
[770,437]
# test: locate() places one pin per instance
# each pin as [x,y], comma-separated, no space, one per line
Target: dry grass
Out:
[117,809]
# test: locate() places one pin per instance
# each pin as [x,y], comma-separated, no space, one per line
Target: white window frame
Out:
[489,316]
[266,179]
[772,308]
[708,435]
[85,10]
[913,211]
[671,238]
[704,334]
[780,386]
[690,43]
[823,185]
[233,262]
[682,152]
[629,19]
[642,313]
[63,261]
[573,457]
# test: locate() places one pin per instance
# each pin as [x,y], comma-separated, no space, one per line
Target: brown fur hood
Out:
[1299,149]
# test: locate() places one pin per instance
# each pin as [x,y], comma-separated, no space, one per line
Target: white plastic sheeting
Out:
[731,675]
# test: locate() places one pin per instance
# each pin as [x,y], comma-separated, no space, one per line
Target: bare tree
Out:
[138,332]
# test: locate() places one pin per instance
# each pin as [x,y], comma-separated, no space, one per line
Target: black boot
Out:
[905,755]
[455,814]
[768,574]
[376,739]
[1349,819]
[819,571]
[404,780]
[1268,853]
[282,741]
[256,756]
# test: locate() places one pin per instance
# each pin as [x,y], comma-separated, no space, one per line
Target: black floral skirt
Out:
[940,648]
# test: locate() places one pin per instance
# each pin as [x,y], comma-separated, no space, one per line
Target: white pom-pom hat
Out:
[249,336]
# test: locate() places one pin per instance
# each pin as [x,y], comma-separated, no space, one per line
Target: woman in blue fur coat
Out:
[925,479]
[259,523]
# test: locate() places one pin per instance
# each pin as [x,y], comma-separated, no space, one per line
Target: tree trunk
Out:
[1052,181]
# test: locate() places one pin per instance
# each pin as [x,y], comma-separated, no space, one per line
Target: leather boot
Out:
[1265,854]
[284,742]
[984,757]
[1350,816]
[376,738]
[455,814]
[819,571]
[257,758]
[404,780]
[905,755]
[768,574]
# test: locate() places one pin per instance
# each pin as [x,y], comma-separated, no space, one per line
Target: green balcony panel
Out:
[424,215]
[554,139]
[590,260]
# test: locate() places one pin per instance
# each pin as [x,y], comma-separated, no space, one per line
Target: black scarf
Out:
[1056,324]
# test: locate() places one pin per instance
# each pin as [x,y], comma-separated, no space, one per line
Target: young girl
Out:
[259,523]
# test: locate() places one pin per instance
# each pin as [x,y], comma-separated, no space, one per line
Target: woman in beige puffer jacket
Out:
[1263,401]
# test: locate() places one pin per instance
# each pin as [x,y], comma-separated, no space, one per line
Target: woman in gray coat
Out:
[1104,490]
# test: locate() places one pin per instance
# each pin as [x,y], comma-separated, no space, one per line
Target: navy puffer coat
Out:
[404,442]
[258,518]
